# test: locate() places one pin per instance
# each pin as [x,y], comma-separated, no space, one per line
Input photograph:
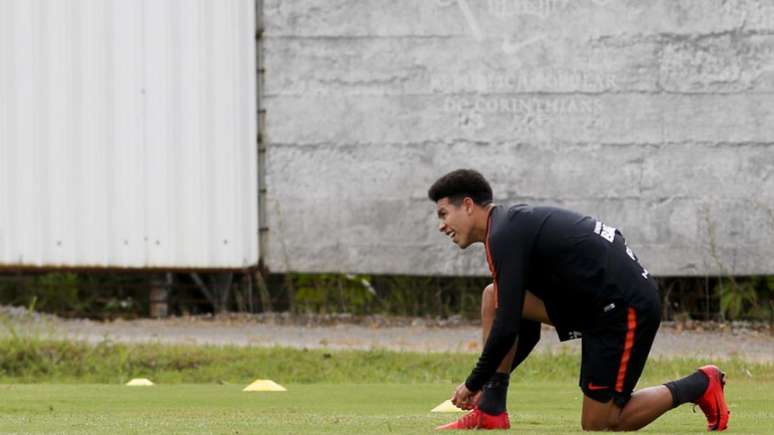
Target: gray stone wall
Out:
[655,116]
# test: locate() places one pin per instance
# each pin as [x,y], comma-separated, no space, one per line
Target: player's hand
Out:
[464,398]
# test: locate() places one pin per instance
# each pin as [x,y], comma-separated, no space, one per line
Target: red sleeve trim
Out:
[489,260]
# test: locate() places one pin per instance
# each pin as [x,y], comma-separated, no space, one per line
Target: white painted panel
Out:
[127,134]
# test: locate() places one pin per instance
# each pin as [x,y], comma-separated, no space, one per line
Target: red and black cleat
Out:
[713,401]
[478,419]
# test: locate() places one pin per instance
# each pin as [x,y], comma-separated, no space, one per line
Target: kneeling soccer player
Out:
[583,280]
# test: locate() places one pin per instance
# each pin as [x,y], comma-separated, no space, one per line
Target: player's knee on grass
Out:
[593,425]
[598,426]
[599,416]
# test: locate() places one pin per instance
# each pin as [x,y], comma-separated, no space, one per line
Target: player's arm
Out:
[509,260]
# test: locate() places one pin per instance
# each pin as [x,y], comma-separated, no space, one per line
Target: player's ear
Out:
[469,205]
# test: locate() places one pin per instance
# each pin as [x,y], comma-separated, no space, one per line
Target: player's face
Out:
[456,221]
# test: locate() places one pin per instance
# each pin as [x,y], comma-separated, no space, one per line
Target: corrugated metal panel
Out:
[127,133]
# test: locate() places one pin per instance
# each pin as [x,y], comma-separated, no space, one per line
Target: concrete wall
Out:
[656,116]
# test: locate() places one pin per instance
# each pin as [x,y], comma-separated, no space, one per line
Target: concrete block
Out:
[654,116]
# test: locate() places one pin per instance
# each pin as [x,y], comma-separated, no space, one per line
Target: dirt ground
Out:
[703,340]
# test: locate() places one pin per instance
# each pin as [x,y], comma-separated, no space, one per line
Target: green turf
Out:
[536,407]
[330,391]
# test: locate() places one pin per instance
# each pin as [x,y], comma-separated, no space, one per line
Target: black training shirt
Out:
[568,260]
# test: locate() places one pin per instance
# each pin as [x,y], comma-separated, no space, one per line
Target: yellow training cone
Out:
[139,382]
[264,385]
[446,406]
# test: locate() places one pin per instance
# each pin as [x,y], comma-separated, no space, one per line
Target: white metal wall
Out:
[127,133]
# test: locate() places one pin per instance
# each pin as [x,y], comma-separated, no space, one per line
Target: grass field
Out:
[535,407]
[72,387]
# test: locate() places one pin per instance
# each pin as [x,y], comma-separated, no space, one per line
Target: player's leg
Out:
[704,387]
[644,406]
[614,356]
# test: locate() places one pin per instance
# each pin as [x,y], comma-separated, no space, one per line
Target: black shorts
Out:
[615,348]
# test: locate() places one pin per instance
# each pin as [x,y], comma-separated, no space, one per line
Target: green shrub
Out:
[746,298]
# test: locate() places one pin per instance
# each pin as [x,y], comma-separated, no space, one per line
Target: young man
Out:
[558,267]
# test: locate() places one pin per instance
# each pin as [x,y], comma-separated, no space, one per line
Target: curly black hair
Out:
[458,184]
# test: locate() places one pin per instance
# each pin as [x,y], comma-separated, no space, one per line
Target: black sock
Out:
[688,389]
[494,394]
